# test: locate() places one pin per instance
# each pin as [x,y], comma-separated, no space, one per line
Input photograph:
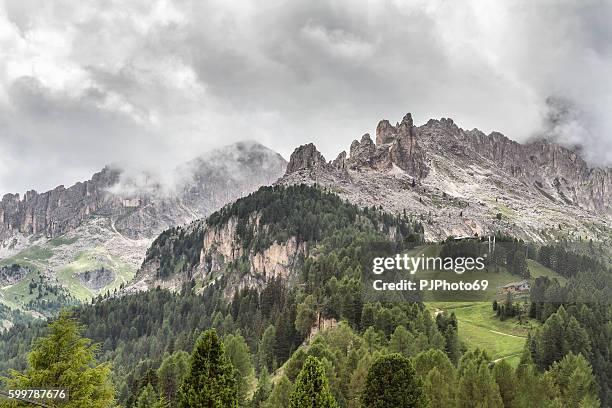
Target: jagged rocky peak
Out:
[387,133]
[363,151]
[306,157]
[339,162]
[395,145]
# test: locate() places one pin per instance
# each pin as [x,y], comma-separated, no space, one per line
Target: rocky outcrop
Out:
[96,279]
[395,146]
[222,247]
[362,153]
[306,157]
[220,254]
[12,274]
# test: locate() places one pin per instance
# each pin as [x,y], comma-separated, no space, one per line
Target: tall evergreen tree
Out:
[281,393]
[506,381]
[402,342]
[392,382]
[211,381]
[574,377]
[264,388]
[237,351]
[311,387]
[147,397]
[170,375]
[477,388]
[63,359]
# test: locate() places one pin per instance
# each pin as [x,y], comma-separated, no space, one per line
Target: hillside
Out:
[91,238]
[226,273]
[264,236]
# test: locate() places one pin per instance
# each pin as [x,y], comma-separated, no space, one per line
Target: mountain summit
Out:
[464,182]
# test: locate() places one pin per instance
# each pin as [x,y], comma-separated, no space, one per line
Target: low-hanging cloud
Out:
[151,84]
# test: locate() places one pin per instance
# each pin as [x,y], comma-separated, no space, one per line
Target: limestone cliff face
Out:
[222,254]
[54,212]
[559,171]
[554,169]
[221,247]
[206,184]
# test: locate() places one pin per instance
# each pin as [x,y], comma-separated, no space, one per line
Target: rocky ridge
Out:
[466,182]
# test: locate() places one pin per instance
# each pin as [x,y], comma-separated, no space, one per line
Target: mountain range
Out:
[464,182]
[92,237]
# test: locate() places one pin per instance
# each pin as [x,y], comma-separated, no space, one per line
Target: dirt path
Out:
[505,357]
[506,334]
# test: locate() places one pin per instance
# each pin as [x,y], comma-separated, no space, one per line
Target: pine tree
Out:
[438,390]
[506,381]
[63,359]
[311,387]
[402,342]
[477,388]
[439,377]
[237,352]
[392,382]
[147,397]
[211,381]
[280,393]
[358,379]
[170,375]
[265,349]
[264,388]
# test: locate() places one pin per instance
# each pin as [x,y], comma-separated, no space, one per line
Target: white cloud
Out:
[153,83]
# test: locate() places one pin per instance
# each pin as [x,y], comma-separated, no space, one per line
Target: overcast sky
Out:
[152,83]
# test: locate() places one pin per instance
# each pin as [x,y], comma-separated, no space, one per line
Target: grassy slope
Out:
[88,261]
[37,258]
[478,324]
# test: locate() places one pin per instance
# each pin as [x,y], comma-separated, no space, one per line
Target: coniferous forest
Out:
[312,339]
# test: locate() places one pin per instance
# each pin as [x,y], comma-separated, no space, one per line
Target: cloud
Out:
[150,84]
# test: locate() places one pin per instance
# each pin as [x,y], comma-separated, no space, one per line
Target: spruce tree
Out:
[311,387]
[65,360]
[238,353]
[392,382]
[506,381]
[147,397]
[264,388]
[477,388]
[281,393]
[211,381]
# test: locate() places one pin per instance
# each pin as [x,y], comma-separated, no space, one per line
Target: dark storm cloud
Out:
[151,84]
